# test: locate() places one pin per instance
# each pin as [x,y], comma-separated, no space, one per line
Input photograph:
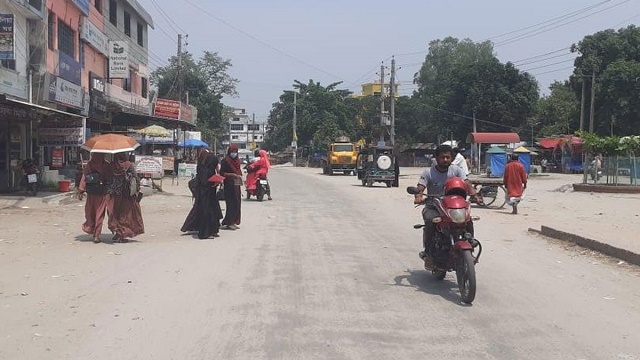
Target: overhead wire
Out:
[170,21]
[264,43]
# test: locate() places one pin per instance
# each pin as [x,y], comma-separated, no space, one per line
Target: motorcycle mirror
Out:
[413,190]
[475,218]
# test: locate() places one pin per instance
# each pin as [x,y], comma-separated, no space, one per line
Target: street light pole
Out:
[294,143]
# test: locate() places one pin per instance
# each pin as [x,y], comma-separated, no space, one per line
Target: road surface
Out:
[327,270]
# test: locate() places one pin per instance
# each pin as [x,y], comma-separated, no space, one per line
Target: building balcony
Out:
[127,99]
[31,9]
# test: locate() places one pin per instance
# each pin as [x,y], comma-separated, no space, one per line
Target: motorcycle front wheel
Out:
[466,274]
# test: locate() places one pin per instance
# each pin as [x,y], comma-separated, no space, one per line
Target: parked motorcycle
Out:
[30,176]
[453,246]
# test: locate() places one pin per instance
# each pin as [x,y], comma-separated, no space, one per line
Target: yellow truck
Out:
[341,156]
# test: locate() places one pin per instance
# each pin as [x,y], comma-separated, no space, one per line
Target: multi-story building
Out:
[244,131]
[373,89]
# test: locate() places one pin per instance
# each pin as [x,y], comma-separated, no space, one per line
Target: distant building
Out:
[244,131]
[373,89]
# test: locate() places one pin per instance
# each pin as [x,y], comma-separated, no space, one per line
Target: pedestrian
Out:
[96,176]
[206,213]
[460,161]
[125,214]
[231,170]
[515,180]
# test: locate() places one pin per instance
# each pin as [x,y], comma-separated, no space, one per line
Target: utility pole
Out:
[593,101]
[294,143]
[584,94]
[180,77]
[382,122]
[476,147]
[392,95]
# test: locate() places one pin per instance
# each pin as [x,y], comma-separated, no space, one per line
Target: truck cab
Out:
[341,156]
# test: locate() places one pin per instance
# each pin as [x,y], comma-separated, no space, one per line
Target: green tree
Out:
[614,57]
[464,77]
[207,81]
[559,112]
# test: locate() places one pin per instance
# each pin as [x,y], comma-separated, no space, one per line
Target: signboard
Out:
[69,68]
[98,107]
[57,158]
[65,92]
[188,170]
[83,5]
[168,162]
[7,37]
[150,166]
[167,108]
[96,38]
[186,114]
[118,60]
[72,136]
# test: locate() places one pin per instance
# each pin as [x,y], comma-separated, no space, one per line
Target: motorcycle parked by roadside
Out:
[453,246]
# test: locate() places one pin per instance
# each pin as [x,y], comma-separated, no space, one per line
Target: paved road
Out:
[328,270]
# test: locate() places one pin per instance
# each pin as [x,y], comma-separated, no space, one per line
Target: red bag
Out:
[216,179]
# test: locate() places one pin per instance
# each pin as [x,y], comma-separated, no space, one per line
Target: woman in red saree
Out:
[260,170]
[98,172]
[125,214]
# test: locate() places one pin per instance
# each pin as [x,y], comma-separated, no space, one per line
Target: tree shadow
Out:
[423,281]
[104,239]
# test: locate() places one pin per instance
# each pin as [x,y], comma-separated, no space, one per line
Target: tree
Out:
[463,77]
[323,113]
[207,81]
[614,57]
[559,112]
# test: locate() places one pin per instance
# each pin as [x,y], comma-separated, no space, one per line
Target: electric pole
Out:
[382,119]
[593,101]
[180,77]
[294,143]
[476,147]
[392,95]
[584,94]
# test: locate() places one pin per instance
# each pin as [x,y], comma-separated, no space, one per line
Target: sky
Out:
[271,43]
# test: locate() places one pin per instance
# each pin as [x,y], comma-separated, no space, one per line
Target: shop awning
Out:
[141,120]
[42,110]
[493,138]
[552,143]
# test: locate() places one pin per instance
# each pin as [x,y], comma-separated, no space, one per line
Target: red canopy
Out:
[552,143]
[493,138]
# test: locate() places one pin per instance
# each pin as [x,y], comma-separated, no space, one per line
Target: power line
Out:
[544,59]
[544,66]
[552,71]
[168,19]
[573,13]
[541,31]
[261,41]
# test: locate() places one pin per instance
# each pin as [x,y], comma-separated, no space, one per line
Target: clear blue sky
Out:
[347,40]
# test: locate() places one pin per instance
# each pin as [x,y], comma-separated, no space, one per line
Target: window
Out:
[36,4]
[8,64]
[98,5]
[113,12]
[234,137]
[127,82]
[237,127]
[140,34]
[51,25]
[236,119]
[145,88]
[127,24]
[66,39]
[254,127]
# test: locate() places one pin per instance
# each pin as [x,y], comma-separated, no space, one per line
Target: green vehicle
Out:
[377,164]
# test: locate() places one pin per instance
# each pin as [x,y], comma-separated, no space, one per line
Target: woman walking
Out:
[95,180]
[230,169]
[125,214]
[206,213]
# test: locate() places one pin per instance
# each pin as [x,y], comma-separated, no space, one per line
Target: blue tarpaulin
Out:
[525,160]
[498,163]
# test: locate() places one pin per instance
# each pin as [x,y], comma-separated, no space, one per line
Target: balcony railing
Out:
[127,99]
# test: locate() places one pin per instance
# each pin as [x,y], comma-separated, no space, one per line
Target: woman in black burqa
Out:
[206,213]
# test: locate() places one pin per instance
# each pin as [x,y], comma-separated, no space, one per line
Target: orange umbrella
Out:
[110,144]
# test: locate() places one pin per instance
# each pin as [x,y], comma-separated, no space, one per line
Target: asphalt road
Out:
[327,270]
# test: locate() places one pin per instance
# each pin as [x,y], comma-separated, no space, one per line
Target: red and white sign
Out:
[167,108]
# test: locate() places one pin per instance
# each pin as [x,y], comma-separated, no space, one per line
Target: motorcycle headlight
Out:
[459,216]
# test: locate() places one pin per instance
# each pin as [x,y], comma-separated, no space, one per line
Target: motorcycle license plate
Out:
[33,178]
[264,182]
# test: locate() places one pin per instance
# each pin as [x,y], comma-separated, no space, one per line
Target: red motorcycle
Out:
[453,245]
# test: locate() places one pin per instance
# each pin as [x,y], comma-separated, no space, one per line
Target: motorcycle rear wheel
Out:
[466,274]
[260,194]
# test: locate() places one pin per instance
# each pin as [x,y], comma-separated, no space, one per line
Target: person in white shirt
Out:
[460,161]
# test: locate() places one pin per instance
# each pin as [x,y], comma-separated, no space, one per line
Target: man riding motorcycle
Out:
[433,180]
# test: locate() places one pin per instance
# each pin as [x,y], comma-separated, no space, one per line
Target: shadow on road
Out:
[104,239]
[423,281]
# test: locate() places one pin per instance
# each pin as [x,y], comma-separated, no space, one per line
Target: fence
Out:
[614,171]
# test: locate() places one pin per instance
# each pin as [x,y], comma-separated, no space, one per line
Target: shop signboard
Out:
[7,36]
[96,38]
[167,108]
[65,92]
[118,60]
[57,158]
[149,166]
[60,136]
[69,68]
